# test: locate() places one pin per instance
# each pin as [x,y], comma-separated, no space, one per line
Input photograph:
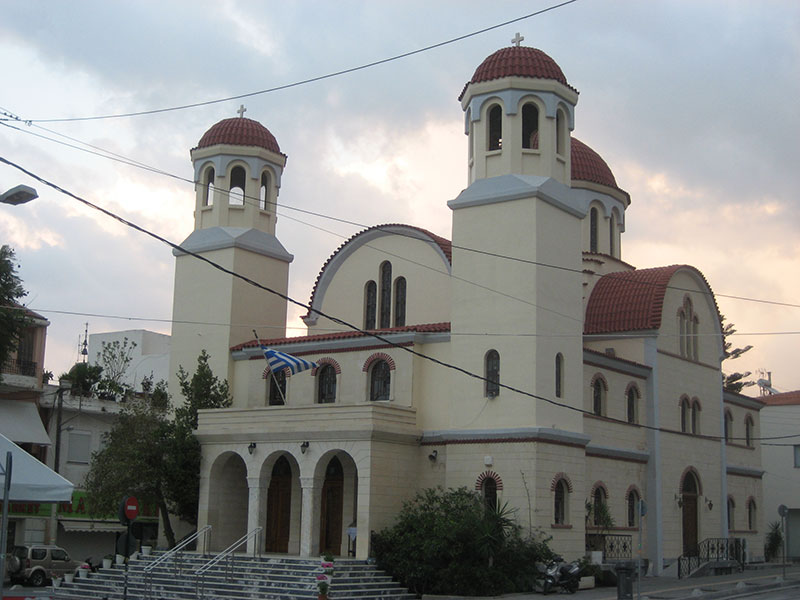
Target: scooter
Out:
[559,575]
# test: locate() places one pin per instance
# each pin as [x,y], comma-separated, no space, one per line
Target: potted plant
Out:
[83,571]
[322,588]
[108,560]
[69,577]
[56,582]
[120,559]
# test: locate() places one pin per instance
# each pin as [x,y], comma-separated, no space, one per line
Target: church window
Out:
[593,232]
[748,431]
[751,515]
[632,400]
[685,410]
[495,133]
[208,187]
[263,193]
[559,375]
[696,416]
[695,337]
[689,326]
[633,508]
[599,390]
[326,384]
[731,508]
[379,381]
[489,489]
[400,302]
[277,388]
[561,133]
[530,126]
[370,304]
[492,374]
[236,194]
[612,226]
[386,295]
[560,503]
[728,425]
[599,507]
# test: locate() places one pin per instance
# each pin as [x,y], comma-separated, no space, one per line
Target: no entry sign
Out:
[131,507]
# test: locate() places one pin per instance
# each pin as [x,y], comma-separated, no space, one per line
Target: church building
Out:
[523,359]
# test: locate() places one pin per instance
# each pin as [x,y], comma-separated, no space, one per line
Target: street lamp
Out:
[18,195]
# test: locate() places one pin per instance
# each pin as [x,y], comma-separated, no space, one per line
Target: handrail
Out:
[712,549]
[173,553]
[227,555]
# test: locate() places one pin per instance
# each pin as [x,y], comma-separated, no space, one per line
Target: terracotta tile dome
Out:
[518,61]
[587,165]
[239,131]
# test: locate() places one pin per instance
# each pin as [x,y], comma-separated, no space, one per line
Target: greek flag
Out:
[278,361]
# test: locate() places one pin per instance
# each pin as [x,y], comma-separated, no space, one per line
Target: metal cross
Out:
[243,110]
[517,39]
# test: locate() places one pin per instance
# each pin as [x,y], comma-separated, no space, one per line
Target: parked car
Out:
[37,563]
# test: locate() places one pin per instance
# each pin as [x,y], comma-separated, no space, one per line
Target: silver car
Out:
[37,563]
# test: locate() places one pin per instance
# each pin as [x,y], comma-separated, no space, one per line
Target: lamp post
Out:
[64,384]
[18,195]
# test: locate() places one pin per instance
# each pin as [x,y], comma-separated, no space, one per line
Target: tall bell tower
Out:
[237,169]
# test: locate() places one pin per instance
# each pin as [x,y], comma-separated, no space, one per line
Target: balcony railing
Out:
[712,549]
[16,366]
[614,546]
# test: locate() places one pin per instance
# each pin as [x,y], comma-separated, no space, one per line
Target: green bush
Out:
[448,542]
[773,548]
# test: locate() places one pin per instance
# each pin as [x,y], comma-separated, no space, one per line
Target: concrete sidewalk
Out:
[672,588]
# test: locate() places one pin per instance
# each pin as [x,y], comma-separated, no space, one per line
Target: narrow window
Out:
[490,493]
[208,185]
[751,515]
[633,508]
[593,230]
[560,503]
[263,193]
[386,295]
[695,338]
[599,508]
[277,388]
[495,137]
[492,373]
[611,234]
[728,426]
[530,126]
[400,302]
[561,133]
[598,396]
[695,417]
[748,431]
[236,194]
[797,457]
[380,381]
[731,507]
[326,384]
[682,332]
[370,304]
[559,375]
[685,415]
[633,396]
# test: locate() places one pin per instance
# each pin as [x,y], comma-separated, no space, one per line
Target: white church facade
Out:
[523,358]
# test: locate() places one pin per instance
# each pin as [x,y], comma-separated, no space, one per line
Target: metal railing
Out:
[614,546]
[17,366]
[712,549]
[176,555]
[227,556]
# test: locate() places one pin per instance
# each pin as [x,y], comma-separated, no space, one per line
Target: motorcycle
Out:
[559,575]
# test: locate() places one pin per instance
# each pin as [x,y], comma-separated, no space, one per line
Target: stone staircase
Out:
[249,578]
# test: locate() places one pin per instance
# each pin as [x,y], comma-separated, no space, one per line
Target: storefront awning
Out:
[88,525]
[20,423]
[31,481]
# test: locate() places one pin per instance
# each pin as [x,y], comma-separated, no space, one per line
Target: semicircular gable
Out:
[441,246]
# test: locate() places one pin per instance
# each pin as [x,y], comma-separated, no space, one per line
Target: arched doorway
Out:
[227,500]
[689,494]
[330,530]
[279,507]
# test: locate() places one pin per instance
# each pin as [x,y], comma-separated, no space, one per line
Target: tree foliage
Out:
[83,378]
[449,542]
[12,318]
[114,358]
[733,382]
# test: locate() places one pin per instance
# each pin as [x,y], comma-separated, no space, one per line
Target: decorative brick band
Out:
[286,371]
[558,477]
[326,361]
[488,475]
[376,357]
[602,378]
[600,485]
[694,472]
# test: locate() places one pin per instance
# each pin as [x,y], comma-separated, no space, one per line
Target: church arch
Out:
[385,308]
[530,125]
[494,127]
[338,501]
[280,506]
[236,191]
[370,304]
[208,186]
[228,496]
[263,190]
[492,374]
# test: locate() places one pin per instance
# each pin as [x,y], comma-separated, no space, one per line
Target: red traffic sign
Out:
[131,507]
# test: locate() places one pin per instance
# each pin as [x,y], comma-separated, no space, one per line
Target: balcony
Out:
[19,375]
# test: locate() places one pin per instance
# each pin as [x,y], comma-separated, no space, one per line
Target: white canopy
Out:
[20,422]
[31,481]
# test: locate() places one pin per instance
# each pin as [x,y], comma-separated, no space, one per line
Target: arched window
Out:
[751,515]
[696,416]
[632,398]
[277,388]
[689,325]
[728,425]
[492,373]
[612,229]
[682,331]
[599,508]
[386,295]
[561,133]
[731,508]
[599,396]
[560,496]
[326,384]
[530,126]
[370,304]
[489,489]
[695,338]
[380,381]
[633,508]
[399,301]
[593,232]
[263,193]
[748,431]
[685,414]
[495,134]
[236,194]
[208,187]
[559,375]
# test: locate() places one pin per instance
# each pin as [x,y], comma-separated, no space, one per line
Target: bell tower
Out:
[237,168]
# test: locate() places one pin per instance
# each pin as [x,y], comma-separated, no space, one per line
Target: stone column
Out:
[255,499]
[309,521]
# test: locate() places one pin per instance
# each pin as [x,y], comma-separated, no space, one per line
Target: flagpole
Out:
[271,374]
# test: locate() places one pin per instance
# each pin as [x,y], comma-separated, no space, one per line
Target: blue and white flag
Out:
[278,361]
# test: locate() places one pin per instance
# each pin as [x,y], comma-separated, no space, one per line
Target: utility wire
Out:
[332,318]
[311,79]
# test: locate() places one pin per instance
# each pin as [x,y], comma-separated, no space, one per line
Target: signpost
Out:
[783,511]
[128,511]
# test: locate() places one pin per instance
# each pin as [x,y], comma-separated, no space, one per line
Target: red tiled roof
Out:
[629,300]
[239,132]
[444,244]
[588,165]
[518,61]
[342,335]
[782,399]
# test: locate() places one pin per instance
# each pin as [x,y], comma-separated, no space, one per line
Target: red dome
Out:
[239,131]
[587,165]
[518,61]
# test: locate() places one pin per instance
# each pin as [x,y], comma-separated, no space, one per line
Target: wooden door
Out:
[330,538]
[689,502]
[279,507]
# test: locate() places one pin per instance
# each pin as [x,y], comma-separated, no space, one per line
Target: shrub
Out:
[774,541]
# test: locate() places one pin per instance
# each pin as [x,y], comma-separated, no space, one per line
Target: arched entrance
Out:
[689,494]
[330,531]
[227,500]
[279,507]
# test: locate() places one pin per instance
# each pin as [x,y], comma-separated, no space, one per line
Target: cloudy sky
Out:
[692,104]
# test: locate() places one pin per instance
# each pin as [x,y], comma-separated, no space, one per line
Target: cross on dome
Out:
[517,39]
[241,111]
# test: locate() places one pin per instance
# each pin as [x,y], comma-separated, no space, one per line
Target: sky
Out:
[692,104]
